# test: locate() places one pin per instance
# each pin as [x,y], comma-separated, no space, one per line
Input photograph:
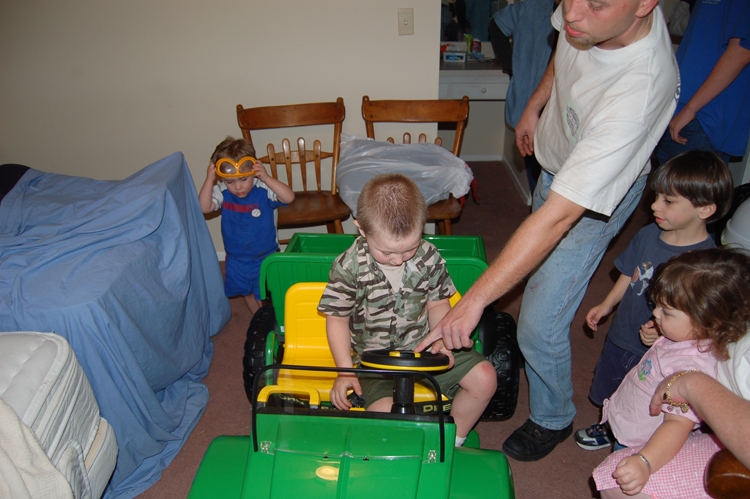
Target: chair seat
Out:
[444,210]
[313,208]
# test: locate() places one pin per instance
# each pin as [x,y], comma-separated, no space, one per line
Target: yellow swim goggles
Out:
[227,168]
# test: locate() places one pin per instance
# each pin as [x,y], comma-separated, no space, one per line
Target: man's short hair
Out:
[391,205]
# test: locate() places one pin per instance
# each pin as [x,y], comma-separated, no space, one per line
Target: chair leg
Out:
[335,227]
[444,227]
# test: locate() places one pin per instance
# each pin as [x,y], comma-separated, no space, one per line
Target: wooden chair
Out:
[310,207]
[423,111]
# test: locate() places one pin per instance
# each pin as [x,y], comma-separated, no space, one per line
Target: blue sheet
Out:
[127,273]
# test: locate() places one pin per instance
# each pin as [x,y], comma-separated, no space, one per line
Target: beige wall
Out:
[102,89]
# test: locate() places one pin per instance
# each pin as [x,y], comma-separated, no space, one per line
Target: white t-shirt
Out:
[735,372]
[607,111]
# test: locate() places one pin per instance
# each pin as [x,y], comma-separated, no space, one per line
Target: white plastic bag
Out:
[437,171]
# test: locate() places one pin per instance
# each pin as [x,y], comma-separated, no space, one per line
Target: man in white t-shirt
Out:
[607,97]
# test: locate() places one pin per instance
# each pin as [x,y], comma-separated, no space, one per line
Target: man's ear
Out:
[706,211]
[359,228]
[645,7]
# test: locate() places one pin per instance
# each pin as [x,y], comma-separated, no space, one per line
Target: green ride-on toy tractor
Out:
[302,446]
[308,258]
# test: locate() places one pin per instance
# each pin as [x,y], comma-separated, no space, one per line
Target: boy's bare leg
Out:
[252,303]
[381,405]
[477,388]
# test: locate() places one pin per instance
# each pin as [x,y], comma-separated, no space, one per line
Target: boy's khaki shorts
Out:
[378,386]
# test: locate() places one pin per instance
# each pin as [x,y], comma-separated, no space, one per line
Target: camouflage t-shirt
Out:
[378,317]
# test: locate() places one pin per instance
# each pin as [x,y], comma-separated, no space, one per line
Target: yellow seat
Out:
[306,344]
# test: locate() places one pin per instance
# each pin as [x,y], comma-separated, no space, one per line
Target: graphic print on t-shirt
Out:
[643,274]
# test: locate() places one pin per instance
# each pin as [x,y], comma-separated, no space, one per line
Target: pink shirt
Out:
[627,409]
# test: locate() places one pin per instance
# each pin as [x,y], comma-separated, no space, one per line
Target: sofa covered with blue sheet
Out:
[126,271]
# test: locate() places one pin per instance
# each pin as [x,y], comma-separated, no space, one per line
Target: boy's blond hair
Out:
[391,205]
[234,149]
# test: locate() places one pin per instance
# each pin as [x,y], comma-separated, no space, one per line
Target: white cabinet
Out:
[477,84]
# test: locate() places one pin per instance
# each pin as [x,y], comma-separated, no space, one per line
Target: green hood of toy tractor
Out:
[323,457]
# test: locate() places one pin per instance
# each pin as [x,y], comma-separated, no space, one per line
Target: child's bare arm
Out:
[632,473]
[283,192]
[436,310]
[340,343]
[605,308]
[204,196]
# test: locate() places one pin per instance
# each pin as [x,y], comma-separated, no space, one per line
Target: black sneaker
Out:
[594,437]
[532,442]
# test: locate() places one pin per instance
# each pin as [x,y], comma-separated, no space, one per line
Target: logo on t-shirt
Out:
[643,274]
[573,122]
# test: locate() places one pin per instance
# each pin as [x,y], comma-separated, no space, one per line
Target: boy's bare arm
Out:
[612,299]
[283,192]
[204,195]
[436,310]
[340,343]
[632,473]
[339,340]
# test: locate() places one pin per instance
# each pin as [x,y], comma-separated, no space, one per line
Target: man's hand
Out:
[631,475]
[456,327]
[674,392]
[525,132]
[439,347]
[343,382]
[649,333]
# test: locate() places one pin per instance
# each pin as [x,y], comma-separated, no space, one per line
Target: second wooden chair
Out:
[423,111]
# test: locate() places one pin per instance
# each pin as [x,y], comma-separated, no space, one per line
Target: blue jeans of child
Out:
[552,296]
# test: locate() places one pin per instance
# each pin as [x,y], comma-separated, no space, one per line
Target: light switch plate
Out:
[405,21]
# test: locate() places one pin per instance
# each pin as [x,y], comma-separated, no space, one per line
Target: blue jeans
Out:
[552,296]
[667,148]
[613,365]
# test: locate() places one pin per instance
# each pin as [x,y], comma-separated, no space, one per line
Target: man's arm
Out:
[530,117]
[734,59]
[727,414]
[530,244]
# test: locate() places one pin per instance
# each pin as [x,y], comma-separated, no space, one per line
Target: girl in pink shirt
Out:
[700,308]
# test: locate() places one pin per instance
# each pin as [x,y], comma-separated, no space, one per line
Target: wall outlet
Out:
[405,21]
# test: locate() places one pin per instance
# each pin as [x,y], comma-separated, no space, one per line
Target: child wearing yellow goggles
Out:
[248,197]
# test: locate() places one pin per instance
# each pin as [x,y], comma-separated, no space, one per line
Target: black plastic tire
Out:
[262,323]
[497,332]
